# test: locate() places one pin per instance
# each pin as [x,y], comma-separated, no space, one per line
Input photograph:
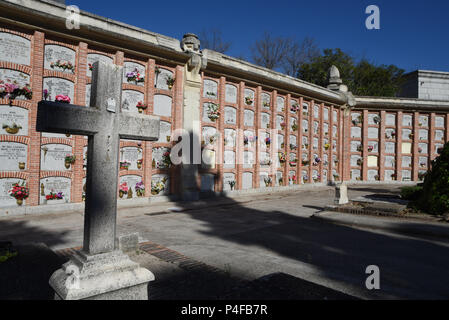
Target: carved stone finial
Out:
[335,81]
[190,43]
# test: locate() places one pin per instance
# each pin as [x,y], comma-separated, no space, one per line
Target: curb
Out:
[413,228]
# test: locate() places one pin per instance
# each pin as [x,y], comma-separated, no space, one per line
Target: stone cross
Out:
[104,124]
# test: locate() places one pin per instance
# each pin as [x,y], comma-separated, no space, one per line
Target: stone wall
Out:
[321,135]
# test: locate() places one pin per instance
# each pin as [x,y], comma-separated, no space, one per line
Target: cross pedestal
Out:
[99,270]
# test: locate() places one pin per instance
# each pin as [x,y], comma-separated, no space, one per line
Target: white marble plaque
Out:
[55,185]
[390,162]
[373,175]
[406,134]
[5,199]
[162,77]
[315,143]
[334,131]
[248,159]
[230,137]
[390,134]
[248,118]
[229,159]
[205,117]
[406,147]
[11,154]
[316,127]
[423,162]
[355,175]
[265,100]
[406,175]
[423,134]
[439,135]
[406,162]
[130,98]
[209,135]
[305,126]
[326,129]
[13,76]
[389,175]
[423,121]
[264,120]
[279,178]
[249,94]
[131,155]
[251,138]
[210,89]
[356,132]
[304,177]
[207,182]
[130,66]
[390,119]
[280,104]
[131,181]
[316,111]
[372,161]
[54,52]
[15,48]
[162,105]
[227,178]
[437,147]
[93,57]
[373,119]
[423,148]
[208,159]
[439,122]
[407,120]
[373,133]
[231,93]
[355,161]
[326,114]
[230,115]
[305,109]
[57,86]
[293,140]
[247,180]
[373,146]
[158,157]
[164,132]
[87,97]
[280,140]
[279,120]
[53,156]
[355,146]
[14,119]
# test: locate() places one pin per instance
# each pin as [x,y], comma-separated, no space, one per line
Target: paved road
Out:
[252,236]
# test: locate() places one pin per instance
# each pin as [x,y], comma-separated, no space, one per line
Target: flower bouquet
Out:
[140,106]
[124,165]
[232,184]
[294,126]
[158,187]
[11,90]
[282,158]
[64,65]
[135,76]
[249,101]
[327,146]
[140,189]
[268,141]
[212,112]
[69,160]
[294,108]
[62,98]
[139,163]
[54,196]
[268,181]
[166,161]
[123,189]
[170,81]
[19,192]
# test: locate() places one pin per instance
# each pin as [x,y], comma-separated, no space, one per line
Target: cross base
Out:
[106,276]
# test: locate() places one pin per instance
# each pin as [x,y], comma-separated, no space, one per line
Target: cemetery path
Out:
[261,234]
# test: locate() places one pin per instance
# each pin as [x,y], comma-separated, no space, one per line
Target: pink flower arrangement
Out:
[62,98]
[11,90]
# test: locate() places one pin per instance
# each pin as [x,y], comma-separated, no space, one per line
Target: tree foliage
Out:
[363,78]
[213,39]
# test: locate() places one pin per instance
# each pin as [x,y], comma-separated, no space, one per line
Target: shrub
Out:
[410,193]
[434,197]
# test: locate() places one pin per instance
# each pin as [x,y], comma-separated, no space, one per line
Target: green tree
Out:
[362,78]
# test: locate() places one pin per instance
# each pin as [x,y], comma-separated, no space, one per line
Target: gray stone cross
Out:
[104,124]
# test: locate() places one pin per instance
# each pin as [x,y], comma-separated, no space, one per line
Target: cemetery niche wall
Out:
[257,128]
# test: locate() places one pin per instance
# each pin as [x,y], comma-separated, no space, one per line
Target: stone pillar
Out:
[191,114]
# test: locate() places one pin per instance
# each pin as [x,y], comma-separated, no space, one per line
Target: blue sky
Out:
[413,35]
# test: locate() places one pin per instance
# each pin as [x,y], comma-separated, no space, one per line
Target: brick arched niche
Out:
[15,49]
[53,157]
[162,105]
[55,185]
[14,120]
[56,56]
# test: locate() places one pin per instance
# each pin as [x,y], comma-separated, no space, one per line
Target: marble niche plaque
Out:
[207,182]
[279,176]
[209,135]
[389,175]
[53,156]
[13,118]
[205,117]
[406,175]
[262,177]
[316,127]
[305,126]
[229,137]
[54,53]
[293,141]
[326,129]
[334,116]
[325,176]
[248,159]
[280,104]
[208,159]
[424,121]
[93,57]
[15,49]
[423,162]
[373,133]
[372,175]
[87,97]
[354,146]
[439,122]
[231,93]
[390,119]
[162,105]
[305,143]
[227,178]
[5,199]
[315,176]
[131,154]
[406,162]
[251,136]
[248,118]
[406,134]
[162,77]
[305,109]
[316,111]
[247,180]
[280,140]
[423,134]
[11,154]
[265,100]
[229,159]
[264,120]
[326,114]
[85,157]
[164,132]
[249,94]
[334,131]
[372,161]
[56,86]
[54,185]
[230,115]
[406,147]
[21,78]
[129,66]
[315,143]
[210,89]
[390,162]
[423,148]
[304,177]
[354,160]
[279,120]
[356,132]
[439,135]
[355,174]
[158,157]
[130,98]
[407,120]
[131,181]
[374,145]
[156,178]
[372,118]
[437,147]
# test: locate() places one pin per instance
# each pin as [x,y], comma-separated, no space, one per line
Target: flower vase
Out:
[121,193]
[22,165]
[19,202]
[67,165]
[139,165]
